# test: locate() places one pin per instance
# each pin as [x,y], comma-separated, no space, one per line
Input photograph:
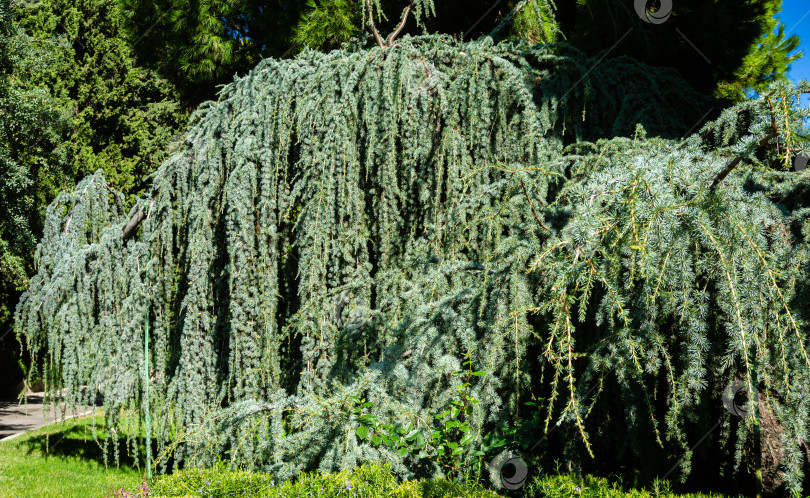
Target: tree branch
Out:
[401,24]
[733,164]
[372,26]
[531,205]
[137,218]
[773,122]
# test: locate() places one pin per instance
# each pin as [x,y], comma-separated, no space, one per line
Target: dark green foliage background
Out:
[753,52]
[32,125]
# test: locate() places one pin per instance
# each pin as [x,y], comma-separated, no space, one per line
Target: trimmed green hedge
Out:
[567,486]
[369,481]
[372,481]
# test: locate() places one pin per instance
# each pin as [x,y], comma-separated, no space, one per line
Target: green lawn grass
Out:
[63,460]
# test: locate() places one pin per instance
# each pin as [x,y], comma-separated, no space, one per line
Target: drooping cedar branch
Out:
[531,206]
[737,160]
[368,174]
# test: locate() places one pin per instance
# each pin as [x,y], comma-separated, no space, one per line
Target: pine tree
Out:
[751,54]
[123,116]
[200,45]
[768,62]
[329,24]
[32,166]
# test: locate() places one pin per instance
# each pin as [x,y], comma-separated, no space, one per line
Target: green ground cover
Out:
[63,460]
[376,481]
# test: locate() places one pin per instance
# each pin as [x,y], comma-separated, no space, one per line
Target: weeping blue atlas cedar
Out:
[353,223]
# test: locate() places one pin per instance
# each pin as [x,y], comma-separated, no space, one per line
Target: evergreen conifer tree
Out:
[353,223]
[200,45]
[719,47]
[123,115]
[32,167]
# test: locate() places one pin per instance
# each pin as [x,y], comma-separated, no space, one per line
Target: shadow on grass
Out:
[77,441]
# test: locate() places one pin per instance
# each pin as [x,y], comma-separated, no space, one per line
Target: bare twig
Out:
[401,24]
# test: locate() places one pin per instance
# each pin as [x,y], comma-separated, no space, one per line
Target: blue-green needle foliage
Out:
[352,223]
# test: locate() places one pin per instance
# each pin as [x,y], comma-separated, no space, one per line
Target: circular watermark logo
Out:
[347,318]
[660,16]
[736,399]
[800,163]
[508,471]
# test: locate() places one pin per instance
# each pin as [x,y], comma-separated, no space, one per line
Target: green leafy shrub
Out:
[449,443]
[567,486]
[439,488]
[368,481]
[217,481]
[375,480]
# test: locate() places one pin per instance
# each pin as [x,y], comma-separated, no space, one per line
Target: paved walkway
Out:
[16,418]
